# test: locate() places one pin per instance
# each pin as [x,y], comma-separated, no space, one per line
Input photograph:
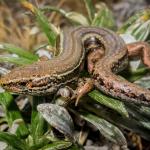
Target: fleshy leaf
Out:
[58,117]
[107,129]
[109,102]
[133,122]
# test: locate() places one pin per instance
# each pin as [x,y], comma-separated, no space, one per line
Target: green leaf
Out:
[13,141]
[41,142]
[12,114]
[10,148]
[38,124]
[75,147]
[138,25]
[130,123]
[58,145]
[16,60]
[140,115]
[145,110]
[51,8]
[109,102]
[74,17]
[19,51]
[77,18]
[133,75]
[48,28]
[107,129]
[58,117]
[142,31]
[90,9]
[104,18]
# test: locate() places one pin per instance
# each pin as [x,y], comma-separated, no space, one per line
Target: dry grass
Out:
[17,28]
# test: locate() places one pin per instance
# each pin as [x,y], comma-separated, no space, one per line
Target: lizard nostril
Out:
[22,84]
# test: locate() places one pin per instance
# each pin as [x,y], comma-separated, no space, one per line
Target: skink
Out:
[46,77]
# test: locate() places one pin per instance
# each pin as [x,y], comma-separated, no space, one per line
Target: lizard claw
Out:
[85,87]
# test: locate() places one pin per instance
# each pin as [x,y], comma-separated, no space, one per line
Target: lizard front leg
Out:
[84,86]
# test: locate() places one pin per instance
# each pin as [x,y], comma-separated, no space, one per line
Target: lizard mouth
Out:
[24,88]
[15,87]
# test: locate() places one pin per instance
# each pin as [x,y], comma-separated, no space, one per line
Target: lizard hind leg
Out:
[141,49]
